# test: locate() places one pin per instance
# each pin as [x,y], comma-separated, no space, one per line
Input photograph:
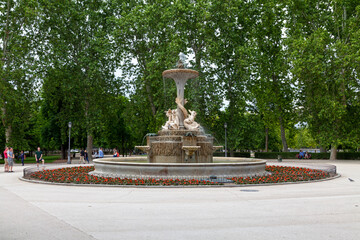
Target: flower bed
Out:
[280,174]
[79,175]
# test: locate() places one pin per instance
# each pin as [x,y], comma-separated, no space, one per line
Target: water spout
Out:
[146,135]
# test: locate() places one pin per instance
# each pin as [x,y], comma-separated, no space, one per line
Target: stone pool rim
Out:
[114,167]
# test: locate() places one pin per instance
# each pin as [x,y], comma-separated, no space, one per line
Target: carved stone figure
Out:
[176,121]
[173,120]
[189,120]
[181,107]
[190,123]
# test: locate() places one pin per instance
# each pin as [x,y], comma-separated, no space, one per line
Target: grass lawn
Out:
[48,159]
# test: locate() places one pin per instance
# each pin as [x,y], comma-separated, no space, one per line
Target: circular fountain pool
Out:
[133,167]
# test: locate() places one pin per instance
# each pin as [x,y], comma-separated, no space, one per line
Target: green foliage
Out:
[17,69]
[48,159]
[324,65]
[79,67]
[271,87]
[275,64]
[302,138]
[349,155]
[235,154]
[292,155]
[289,155]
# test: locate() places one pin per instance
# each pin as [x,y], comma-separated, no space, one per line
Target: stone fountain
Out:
[180,139]
[180,149]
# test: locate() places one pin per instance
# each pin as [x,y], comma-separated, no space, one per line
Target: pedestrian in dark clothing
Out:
[22,157]
[86,156]
[82,156]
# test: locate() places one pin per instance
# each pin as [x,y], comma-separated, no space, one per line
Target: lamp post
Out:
[225,126]
[69,161]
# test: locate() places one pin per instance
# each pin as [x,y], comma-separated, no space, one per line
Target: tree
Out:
[271,85]
[18,64]
[145,43]
[78,59]
[325,61]
[118,132]
[228,51]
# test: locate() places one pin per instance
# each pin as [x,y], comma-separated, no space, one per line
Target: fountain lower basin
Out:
[114,167]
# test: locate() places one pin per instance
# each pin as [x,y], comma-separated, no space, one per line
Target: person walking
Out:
[22,157]
[101,153]
[39,157]
[86,156]
[82,153]
[6,165]
[10,155]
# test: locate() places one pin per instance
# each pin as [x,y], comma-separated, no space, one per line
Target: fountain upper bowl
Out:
[180,73]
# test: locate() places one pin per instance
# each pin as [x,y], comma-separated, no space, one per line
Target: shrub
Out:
[236,154]
[48,159]
[292,155]
[349,155]
[274,155]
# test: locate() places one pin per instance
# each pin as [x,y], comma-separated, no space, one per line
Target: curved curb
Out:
[232,185]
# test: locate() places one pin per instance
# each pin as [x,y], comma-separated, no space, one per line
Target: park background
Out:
[281,74]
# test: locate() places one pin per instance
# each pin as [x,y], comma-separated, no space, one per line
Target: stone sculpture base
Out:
[180,146]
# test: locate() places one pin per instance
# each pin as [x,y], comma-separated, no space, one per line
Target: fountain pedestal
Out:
[180,77]
[180,141]
[176,146]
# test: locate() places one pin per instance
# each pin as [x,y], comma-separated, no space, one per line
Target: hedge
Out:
[349,155]
[48,159]
[236,154]
[292,155]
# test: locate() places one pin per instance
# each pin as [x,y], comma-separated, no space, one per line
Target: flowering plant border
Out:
[79,175]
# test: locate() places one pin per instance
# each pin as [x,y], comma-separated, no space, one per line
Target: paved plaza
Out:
[321,210]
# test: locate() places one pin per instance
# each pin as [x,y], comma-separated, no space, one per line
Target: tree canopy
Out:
[281,74]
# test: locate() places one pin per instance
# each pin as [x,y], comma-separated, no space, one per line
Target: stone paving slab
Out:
[21,219]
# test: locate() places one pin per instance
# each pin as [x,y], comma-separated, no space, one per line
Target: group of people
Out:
[304,155]
[84,156]
[98,154]
[9,157]
[116,153]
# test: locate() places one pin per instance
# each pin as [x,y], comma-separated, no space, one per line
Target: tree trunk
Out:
[266,139]
[89,140]
[63,152]
[333,152]
[283,137]
[123,147]
[231,152]
[7,128]
[322,150]
[89,146]
[4,58]
[151,100]
[7,134]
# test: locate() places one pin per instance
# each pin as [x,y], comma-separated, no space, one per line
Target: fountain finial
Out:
[181,63]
